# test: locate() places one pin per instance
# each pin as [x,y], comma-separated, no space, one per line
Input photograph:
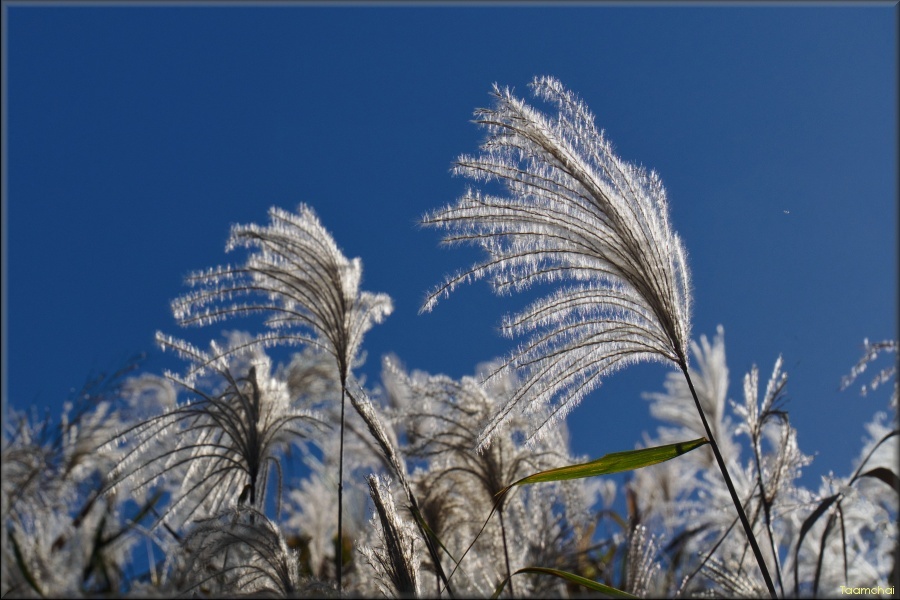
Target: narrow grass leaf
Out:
[614,463]
[577,579]
[804,529]
[417,515]
[885,475]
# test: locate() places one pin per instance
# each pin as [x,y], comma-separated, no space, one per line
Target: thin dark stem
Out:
[339,549]
[709,555]
[512,591]
[767,506]
[734,498]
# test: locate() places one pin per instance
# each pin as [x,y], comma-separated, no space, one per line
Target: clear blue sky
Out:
[137,135]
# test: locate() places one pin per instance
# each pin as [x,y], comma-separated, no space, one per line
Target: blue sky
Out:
[136,135]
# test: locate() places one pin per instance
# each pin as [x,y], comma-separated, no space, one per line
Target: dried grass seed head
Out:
[576,214]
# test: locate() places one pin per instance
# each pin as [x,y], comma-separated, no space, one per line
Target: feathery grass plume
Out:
[442,418]
[386,445]
[777,459]
[575,213]
[240,552]
[870,355]
[226,442]
[309,291]
[396,559]
[858,539]
[296,276]
[62,537]
[641,568]
[729,582]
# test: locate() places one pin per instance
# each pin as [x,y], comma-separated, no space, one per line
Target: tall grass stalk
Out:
[751,538]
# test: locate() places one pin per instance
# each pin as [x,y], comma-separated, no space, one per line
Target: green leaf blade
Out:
[576,579]
[615,462]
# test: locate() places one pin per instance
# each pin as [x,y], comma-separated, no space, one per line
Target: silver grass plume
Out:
[442,418]
[870,355]
[296,276]
[61,536]
[777,459]
[641,568]
[309,291]
[731,582]
[387,445]
[223,444]
[577,215]
[397,559]
[241,552]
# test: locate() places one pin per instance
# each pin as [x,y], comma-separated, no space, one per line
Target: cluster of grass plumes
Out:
[243,477]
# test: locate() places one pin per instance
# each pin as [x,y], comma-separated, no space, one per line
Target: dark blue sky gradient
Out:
[137,135]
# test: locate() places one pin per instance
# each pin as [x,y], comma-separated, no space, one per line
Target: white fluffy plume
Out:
[579,216]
